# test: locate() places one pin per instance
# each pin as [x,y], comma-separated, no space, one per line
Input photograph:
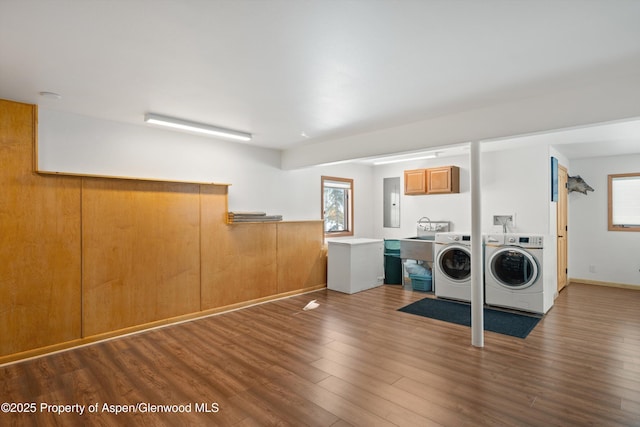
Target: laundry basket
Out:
[421,283]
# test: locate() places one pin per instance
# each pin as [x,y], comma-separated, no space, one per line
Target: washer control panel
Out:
[451,237]
[526,241]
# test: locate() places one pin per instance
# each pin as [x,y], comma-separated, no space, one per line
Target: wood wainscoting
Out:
[40,281]
[302,255]
[85,258]
[140,252]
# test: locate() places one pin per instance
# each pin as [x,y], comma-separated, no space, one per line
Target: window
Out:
[624,202]
[337,206]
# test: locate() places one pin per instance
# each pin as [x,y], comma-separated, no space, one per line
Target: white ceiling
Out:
[278,68]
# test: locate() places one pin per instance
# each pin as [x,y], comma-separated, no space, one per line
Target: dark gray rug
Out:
[502,322]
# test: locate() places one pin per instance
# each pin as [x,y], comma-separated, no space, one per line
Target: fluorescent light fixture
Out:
[405,159]
[186,125]
[339,162]
[51,95]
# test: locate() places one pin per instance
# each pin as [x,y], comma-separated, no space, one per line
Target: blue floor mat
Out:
[502,322]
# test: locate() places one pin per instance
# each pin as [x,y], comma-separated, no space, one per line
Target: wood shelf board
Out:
[130,178]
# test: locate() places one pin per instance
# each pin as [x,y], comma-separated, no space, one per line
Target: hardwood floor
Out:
[354,360]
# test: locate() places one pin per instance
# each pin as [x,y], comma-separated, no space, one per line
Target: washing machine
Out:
[452,266]
[514,272]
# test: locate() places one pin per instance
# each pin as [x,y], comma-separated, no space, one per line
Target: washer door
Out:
[513,268]
[454,262]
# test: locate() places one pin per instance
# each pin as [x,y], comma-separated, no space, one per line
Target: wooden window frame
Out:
[611,225]
[350,213]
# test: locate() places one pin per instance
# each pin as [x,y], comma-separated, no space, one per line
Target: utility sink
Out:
[431,238]
[418,247]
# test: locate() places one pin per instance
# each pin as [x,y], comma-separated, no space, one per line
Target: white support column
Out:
[477,264]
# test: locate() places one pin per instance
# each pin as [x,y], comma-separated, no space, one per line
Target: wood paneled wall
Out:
[85,257]
[140,252]
[39,242]
[238,261]
[302,259]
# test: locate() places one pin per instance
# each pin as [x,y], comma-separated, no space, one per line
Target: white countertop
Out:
[354,241]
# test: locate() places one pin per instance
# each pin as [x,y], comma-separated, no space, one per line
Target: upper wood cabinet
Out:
[415,181]
[443,180]
[440,180]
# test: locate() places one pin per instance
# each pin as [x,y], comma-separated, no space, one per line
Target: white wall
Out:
[438,207]
[302,189]
[77,144]
[613,255]
[515,181]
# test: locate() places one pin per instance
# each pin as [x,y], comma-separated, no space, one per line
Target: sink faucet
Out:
[427,218]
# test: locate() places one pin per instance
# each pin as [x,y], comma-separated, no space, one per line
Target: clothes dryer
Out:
[452,266]
[514,272]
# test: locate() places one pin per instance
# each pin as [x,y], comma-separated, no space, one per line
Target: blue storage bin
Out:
[421,283]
